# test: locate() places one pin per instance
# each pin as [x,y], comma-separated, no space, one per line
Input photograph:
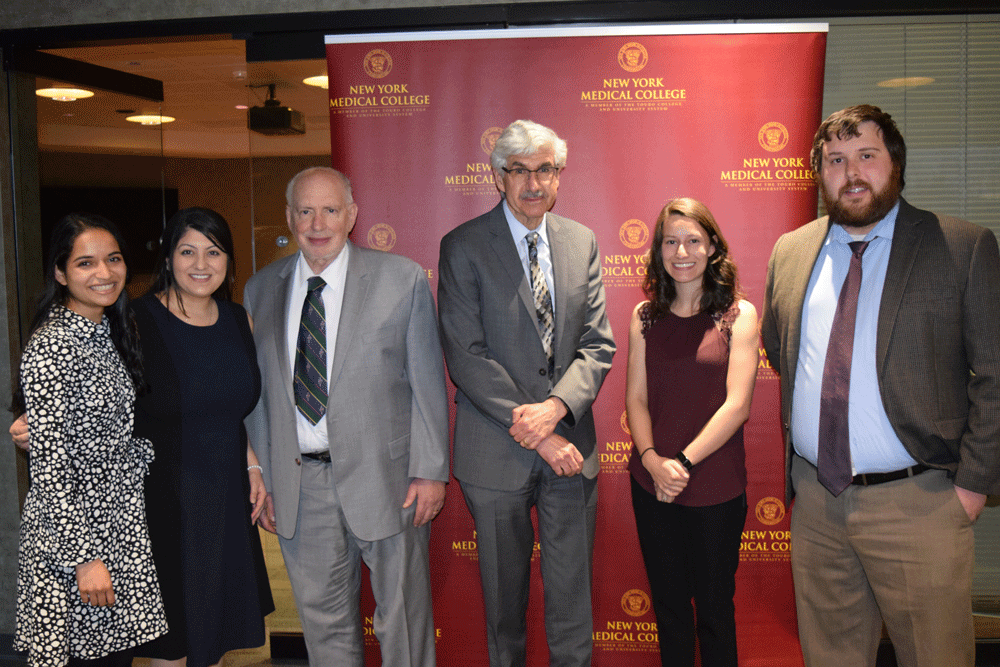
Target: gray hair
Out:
[525,137]
[290,190]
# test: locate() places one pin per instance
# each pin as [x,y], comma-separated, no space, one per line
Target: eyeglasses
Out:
[544,174]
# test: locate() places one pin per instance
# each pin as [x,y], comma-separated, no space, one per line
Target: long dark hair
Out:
[214,227]
[122,325]
[720,283]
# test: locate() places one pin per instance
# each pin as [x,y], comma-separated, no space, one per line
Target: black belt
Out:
[870,478]
[323,456]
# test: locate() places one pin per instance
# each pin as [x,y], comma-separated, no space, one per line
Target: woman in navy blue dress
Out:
[204,491]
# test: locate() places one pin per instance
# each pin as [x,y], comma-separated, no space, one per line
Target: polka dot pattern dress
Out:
[86,498]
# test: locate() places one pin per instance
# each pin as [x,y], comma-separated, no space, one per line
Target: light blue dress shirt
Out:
[874,444]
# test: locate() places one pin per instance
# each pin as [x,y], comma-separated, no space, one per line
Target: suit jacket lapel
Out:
[560,276]
[503,245]
[805,262]
[905,244]
[356,288]
[282,315]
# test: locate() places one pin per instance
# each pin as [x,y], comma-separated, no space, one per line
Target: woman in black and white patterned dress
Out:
[87,589]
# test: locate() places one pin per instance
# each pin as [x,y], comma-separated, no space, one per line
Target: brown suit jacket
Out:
[938,341]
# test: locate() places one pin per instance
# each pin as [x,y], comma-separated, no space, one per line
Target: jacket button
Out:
[543,371]
[298,462]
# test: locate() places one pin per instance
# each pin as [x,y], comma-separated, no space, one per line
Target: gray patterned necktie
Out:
[543,300]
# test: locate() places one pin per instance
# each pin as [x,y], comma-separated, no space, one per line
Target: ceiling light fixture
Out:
[151,119]
[906,82]
[321,81]
[64,94]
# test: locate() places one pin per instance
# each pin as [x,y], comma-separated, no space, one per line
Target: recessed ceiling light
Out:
[64,94]
[320,81]
[151,119]
[906,82]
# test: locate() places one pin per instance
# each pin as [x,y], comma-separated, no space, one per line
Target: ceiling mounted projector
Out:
[275,120]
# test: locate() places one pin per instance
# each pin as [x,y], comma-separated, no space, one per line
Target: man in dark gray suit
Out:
[892,422]
[364,478]
[528,344]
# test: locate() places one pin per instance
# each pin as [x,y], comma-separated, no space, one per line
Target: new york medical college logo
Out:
[632,57]
[768,171]
[635,602]
[633,234]
[377,63]
[773,137]
[475,176]
[488,139]
[381,237]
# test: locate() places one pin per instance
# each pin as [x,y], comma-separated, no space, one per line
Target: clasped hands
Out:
[670,477]
[534,428]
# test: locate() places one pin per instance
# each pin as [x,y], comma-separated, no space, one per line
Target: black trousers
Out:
[691,552]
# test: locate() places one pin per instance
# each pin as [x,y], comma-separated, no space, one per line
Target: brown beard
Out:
[880,205]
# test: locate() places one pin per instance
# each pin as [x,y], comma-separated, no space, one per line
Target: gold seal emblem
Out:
[633,57]
[634,234]
[635,602]
[773,137]
[489,139]
[770,511]
[381,237]
[624,421]
[378,63]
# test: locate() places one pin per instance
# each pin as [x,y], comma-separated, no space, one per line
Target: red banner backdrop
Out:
[724,114]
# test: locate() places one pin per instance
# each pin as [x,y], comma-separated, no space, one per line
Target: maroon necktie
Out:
[834,456]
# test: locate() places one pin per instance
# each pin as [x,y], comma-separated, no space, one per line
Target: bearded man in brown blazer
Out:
[921,408]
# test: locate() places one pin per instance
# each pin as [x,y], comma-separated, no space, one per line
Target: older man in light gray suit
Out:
[364,480]
[528,344]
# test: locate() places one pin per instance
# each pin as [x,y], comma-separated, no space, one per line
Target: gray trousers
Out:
[323,560]
[567,512]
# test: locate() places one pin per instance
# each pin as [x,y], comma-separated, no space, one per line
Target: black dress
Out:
[202,381]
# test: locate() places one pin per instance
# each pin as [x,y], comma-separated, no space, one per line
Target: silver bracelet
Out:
[249,468]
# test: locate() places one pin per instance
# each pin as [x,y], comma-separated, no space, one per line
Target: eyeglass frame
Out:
[554,170]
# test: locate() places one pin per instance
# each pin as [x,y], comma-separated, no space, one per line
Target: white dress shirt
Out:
[314,438]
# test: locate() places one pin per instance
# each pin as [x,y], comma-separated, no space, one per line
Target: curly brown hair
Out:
[720,282]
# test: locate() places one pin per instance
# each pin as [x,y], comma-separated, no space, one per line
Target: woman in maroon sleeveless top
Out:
[692,362]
